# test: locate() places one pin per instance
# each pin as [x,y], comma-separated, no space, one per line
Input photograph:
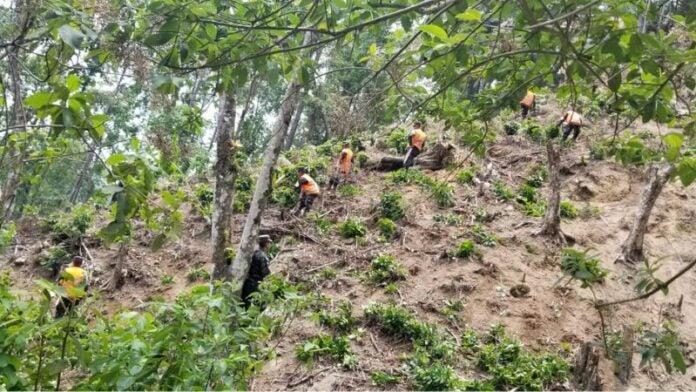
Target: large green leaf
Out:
[40,99]
[434,30]
[169,30]
[71,36]
[470,15]
[674,142]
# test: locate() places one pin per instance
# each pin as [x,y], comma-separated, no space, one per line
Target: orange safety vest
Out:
[310,187]
[78,278]
[346,160]
[528,99]
[572,118]
[418,139]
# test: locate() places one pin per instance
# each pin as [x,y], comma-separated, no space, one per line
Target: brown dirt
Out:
[542,319]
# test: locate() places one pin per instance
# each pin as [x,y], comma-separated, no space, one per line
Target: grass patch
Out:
[385,269]
[352,228]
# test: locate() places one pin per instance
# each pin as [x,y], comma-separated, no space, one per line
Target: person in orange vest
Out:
[527,103]
[309,190]
[416,142]
[344,165]
[572,121]
[78,280]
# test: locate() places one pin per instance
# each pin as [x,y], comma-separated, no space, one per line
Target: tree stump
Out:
[434,158]
[586,372]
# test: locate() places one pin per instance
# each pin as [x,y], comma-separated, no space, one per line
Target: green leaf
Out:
[470,15]
[434,30]
[39,100]
[373,49]
[674,142]
[158,242]
[115,159]
[614,82]
[71,36]
[165,34]
[686,171]
[72,83]
[211,31]
[678,359]
[406,23]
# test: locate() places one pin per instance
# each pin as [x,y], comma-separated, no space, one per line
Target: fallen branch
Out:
[374,344]
[307,378]
[322,266]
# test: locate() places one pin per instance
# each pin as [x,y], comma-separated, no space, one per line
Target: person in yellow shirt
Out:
[416,142]
[344,166]
[527,103]
[309,190]
[78,279]
[572,121]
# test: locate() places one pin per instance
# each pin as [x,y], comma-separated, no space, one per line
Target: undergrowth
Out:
[385,269]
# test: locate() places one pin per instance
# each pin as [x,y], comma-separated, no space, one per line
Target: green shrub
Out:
[391,205]
[502,191]
[341,321]
[534,131]
[285,196]
[328,273]
[465,249]
[483,237]
[242,201]
[204,200]
[197,274]
[329,148]
[526,194]
[568,210]
[412,176]
[347,190]
[451,219]
[535,209]
[362,158]
[352,228]
[382,379]
[553,131]
[467,176]
[72,225]
[443,193]
[582,267]
[511,127]
[538,176]
[7,233]
[322,225]
[167,279]
[384,269]
[387,228]
[54,258]
[336,348]
[391,288]
[398,140]
[589,211]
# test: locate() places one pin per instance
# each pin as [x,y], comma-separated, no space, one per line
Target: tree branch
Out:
[564,16]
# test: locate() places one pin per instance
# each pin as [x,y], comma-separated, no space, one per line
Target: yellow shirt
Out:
[78,278]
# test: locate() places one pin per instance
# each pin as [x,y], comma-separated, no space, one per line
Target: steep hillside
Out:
[454,293]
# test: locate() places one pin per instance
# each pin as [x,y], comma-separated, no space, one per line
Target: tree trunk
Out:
[586,374]
[624,359]
[225,176]
[81,178]
[240,266]
[117,276]
[294,124]
[632,248]
[551,226]
[434,158]
[252,93]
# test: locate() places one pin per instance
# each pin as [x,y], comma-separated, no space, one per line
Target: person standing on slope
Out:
[527,103]
[258,270]
[344,166]
[76,279]
[309,190]
[416,142]
[572,121]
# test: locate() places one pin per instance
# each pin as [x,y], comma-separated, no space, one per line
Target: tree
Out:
[551,225]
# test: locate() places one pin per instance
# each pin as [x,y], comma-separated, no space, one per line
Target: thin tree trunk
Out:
[551,226]
[225,176]
[240,266]
[294,125]
[253,87]
[117,276]
[81,178]
[632,248]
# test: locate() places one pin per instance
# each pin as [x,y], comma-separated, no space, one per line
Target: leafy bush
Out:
[568,210]
[579,265]
[527,194]
[54,258]
[466,176]
[167,279]
[502,191]
[336,348]
[511,127]
[342,321]
[465,249]
[403,176]
[391,206]
[663,344]
[483,237]
[391,288]
[534,131]
[387,228]
[589,211]
[242,201]
[347,190]
[285,196]
[328,273]
[322,225]
[434,377]
[536,210]
[204,200]
[538,176]
[443,193]
[197,274]
[72,225]
[361,157]
[398,140]
[7,233]
[352,228]
[382,379]
[451,219]
[398,322]
[384,269]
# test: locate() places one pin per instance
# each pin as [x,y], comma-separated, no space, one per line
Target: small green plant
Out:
[348,190]
[242,201]
[663,345]
[511,127]
[527,194]
[398,140]
[582,267]
[72,225]
[391,205]
[391,288]
[334,347]
[568,210]
[588,211]
[352,228]
[204,200]
[502,191]
[451,310]
[387,228]
[362,158]
[6,235]
[54,258]
[536,210]
[481,215]
[381,379]
[341,321]
[483,237]
[443,193]
[465,249]
[538,176]
[284,196]
[434,377]
[328,273]
[403,176]
[385,269]
[451,219]
[534,131]
[322,225]
[167,279]
[197,274]
[467,176]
